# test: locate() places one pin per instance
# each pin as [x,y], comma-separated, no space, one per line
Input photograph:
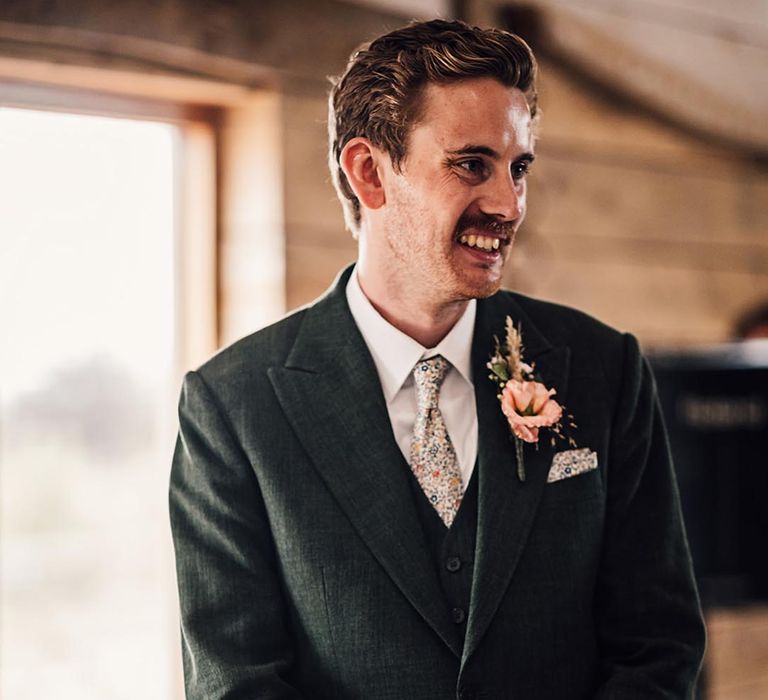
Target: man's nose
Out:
[503,198]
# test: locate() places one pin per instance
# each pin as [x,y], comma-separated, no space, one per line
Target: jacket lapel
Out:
[330,392]
[506,506]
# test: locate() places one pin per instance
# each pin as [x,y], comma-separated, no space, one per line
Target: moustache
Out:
[485,222]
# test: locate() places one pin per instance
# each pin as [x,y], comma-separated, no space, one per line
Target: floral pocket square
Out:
[570,463]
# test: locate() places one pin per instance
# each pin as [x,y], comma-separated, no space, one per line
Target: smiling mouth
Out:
[488,244]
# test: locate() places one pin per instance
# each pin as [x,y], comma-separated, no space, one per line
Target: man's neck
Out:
[427,323]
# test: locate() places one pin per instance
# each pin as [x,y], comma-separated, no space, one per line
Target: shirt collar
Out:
[395,353]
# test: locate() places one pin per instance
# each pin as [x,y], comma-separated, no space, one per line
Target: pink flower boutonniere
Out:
[525,400]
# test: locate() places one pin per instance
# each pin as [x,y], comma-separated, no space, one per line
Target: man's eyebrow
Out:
[474,150]
[478,150]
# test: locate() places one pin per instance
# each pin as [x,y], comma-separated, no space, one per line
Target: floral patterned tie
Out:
[433,459]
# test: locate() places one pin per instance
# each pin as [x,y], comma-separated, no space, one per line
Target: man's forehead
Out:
[478,111]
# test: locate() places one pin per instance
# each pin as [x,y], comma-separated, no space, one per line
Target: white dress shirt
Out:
[395,355]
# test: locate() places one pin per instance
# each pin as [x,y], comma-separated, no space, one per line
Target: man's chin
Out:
[478,289]
[487,291]
[479,281]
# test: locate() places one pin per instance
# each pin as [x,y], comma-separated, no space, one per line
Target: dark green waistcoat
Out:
[452,550]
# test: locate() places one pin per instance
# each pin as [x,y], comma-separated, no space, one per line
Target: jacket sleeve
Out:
[649,620]
[236,641]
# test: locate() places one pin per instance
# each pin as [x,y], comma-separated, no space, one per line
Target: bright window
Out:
[86,361]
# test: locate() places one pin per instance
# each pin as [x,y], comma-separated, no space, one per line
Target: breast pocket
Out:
[574,482]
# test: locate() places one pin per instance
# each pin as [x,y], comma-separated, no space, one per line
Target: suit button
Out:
[458,615]
[453,564]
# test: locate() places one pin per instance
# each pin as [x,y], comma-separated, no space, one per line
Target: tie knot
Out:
[428,375]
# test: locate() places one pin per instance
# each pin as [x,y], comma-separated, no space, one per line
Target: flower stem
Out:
[519,458]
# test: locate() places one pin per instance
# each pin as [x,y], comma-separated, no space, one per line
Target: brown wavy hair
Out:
[378,95]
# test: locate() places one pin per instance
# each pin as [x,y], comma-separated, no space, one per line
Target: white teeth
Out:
[496,243]
[471,239]
[463,239]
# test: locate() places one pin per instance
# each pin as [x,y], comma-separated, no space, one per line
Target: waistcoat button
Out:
[453,564]
[458,615]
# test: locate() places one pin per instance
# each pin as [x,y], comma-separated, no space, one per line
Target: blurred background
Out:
[164,191]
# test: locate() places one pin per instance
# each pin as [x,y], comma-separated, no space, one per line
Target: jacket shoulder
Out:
[246,360]
[564,325]
[595,347]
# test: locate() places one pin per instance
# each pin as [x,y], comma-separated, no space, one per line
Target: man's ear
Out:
[360,161]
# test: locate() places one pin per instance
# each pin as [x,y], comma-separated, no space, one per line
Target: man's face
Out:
[452,212]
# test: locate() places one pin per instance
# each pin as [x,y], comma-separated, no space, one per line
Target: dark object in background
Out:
[715,402]
[753,323]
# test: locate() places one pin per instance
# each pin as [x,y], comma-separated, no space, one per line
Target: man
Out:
[353,516]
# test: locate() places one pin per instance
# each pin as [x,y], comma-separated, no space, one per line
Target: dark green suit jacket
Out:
[302,569]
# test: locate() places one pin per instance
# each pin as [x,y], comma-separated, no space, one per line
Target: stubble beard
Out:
[423,274]
[481,288]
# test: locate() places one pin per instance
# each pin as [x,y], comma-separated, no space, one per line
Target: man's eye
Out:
[520,170]
[471,166]
[474,167]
